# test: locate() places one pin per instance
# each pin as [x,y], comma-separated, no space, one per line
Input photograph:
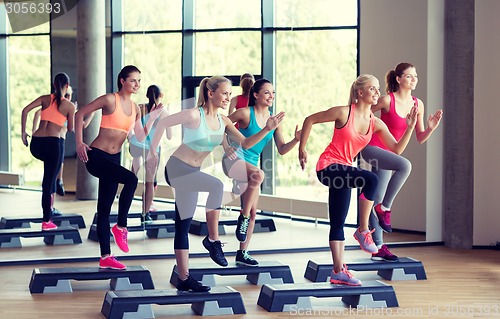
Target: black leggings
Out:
[48,149]
[341,179]
[188,181]
[107,168]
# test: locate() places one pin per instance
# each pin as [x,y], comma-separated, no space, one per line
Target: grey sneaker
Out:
[244,258]
[242,227]
[365,241]
[344,277]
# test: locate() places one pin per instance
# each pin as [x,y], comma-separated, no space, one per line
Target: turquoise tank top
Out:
[203,139]
[147,142]
[252,154]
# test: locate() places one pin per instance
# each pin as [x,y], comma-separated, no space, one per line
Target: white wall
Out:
[486,123]
[394,31]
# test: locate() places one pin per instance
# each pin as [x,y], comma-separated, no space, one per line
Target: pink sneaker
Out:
[365,240]
[344,277]
[120,236]
[384,218]
[48,225]
[110,262]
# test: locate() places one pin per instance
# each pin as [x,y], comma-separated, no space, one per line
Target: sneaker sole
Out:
[114,268]
[383,259]
[338,282]
[245,264]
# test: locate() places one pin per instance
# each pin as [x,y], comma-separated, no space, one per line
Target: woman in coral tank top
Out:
[353,129]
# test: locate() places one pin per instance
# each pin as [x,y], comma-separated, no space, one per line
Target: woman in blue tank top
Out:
[203,130]
[245,170]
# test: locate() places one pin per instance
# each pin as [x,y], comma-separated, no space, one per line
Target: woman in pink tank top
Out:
[392,169]
[354,126]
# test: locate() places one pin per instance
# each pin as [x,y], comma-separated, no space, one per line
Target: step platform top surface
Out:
[83,270]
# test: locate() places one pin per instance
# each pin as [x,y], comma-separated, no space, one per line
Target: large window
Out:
[29,77]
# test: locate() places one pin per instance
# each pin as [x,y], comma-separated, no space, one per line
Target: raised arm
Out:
[383,132]
[331,115]
[281,145]
[70,117]
[235,135]
[141,132]
[232,105]
[24,116]
[421,132]
[36,120]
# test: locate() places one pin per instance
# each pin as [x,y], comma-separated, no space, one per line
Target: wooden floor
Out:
[461,283]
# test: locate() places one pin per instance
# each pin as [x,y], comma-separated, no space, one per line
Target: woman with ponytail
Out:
[240,101]
[354,126]
[140,150]
[102,158]
[203,129]
[47,143]
[393,169]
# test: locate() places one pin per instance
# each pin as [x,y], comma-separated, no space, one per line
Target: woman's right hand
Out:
[156,110]
[81,151]
[302,158]
[24,137]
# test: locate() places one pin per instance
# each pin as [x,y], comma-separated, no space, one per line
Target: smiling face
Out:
[370,93]
[132,83]
[409,79]
[265,96]
[221,97]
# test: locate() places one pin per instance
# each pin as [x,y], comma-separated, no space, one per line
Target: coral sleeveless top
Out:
[395,123]
[52,114]
[346,143]
[118,120]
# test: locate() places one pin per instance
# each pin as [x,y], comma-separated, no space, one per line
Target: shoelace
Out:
[244,225]
[124,233]
[368,237]
[217,248]
[246,255]
[387,217]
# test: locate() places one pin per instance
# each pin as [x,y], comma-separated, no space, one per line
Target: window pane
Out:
[315,71]
[29,77]
[228,53]
[227,14]
[158,56]
[140,15]
[316,13]
[14,27]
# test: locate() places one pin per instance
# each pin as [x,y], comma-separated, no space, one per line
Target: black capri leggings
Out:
[48,149]
[188,181]
[341,179]
[107,168]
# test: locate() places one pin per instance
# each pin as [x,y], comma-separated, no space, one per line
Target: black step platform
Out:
[287,297]
[11,238]
[156,229]
[56,280]
[157,215]
[268,272]
[137,303]
[262,225]
[405,268]
[73,220]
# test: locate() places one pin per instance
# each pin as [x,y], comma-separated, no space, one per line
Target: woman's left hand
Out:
[275,120]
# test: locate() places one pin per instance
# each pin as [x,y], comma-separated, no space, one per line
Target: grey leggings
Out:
[384,163]
[188,181]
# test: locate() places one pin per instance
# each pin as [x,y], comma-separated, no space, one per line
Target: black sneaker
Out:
[146,219]
[60,188]
[215,250]
[242,227]
[191,285]
[56,212]
[244,258]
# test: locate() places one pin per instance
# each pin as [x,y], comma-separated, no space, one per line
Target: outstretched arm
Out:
[331,115]
[232,105]
[141,132]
